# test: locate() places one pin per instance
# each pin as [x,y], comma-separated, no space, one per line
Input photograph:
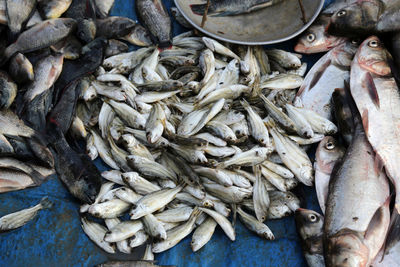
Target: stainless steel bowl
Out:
[270,25]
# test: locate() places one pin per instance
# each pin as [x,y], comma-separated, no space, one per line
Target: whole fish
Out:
[310,226]
[77,172]
[357,214]
[11,180]
[377,98]
[155,17]
[22,217]
[18,12]
[232,7]
[8,90]
[329,153]
[329,73]
[40,36]
[316,39]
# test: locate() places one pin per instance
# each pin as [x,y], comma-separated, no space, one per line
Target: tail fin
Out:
[198,9]
[46,203]
[393,235]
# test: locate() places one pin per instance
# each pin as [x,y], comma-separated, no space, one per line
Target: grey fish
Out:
[22,217]
[155,17]
[40,36]
[114,27]
[232,7]
[115,47]
[139,36]
[70,47]
[310,228]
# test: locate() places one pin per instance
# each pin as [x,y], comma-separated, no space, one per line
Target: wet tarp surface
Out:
[55,237]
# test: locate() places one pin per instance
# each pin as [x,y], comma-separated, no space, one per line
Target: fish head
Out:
[346,249]
[373,57]
[86,188]
[309,223]
[358,18]
[328,152]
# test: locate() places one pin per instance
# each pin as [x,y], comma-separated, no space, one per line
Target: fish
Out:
[76,171]
[40,36]
[260,198]
[21,69]
[69,47]
[155,17]
[115,47]
[103,7]
[342,114]
[13,180]
[139,36]
[18,12]
[222,222]
[232,7]
[96,233]
[328,154]
[8,90]
[316,39]
[310,226]
[255,225]
[86,30]
[358,18]
[329,73]
[20,218]
[114,27]
[203,234]
[357,214]
[376,95]
[52,9]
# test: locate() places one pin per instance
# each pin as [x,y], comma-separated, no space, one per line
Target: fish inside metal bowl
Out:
[252,22]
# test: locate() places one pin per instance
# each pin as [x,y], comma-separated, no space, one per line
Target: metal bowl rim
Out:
[302,29]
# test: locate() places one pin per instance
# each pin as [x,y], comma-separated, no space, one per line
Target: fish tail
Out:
[46,203]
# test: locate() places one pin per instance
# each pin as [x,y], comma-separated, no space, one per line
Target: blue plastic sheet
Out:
[55,237]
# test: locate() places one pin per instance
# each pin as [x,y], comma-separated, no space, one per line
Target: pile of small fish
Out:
[357,86]
[192,132]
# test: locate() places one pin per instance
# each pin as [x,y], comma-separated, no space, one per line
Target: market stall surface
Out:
[55,237]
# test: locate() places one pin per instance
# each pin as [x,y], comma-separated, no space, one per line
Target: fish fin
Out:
[378,220]
[319,73]
[372,91]
[378,164]
[393,235]
[198,9]
[234,214]
[365,120]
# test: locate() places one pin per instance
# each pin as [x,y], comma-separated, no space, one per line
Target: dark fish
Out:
[8,90]
[76,171]
[310,225]
[342,114]
[18,12]
[86,30]
[92,57]
[139,36]
[80,9]
[115,47]
[40,36]
[232,7]
[114,27]
[389,21]
[357,213]
[70,47]
[64,110]
[21,149]
[21,69]
[155,17]
[357,19]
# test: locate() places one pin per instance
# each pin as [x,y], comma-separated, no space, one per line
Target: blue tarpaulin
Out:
[55,237]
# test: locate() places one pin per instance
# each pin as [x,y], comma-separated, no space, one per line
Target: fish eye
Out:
[311,37]
[312,218]
[289,197]
[330,146]
[341,13]
[373,43]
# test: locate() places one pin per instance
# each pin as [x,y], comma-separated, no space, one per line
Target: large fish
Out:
[377,98]
[329,152]
[357,213]
[155,17]
[232,7]
[329,73]
[316,39]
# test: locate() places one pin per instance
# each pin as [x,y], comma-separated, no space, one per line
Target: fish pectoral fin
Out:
[379,223]
[372,91]
[319,73]
[378,164]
